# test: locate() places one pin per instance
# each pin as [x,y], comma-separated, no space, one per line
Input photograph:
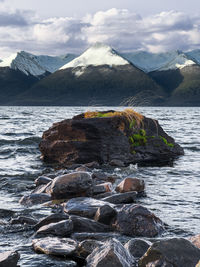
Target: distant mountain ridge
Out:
[101,76]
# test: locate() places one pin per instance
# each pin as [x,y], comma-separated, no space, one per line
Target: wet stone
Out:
[55,246]
[173,252]
[136,220]
[137,247]
[23,220]
[53,218]
[102,188]
[87,225]
[105,214]
[112,253]
[42,180]
[62,228]
[34,199]
[103,195]
[86,207]
[121,198]
[9,259]
[86,247]
[83,169]
[195,240]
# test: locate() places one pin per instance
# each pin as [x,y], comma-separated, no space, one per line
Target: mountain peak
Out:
[96,55]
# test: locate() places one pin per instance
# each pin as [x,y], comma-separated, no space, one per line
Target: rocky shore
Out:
[96,218]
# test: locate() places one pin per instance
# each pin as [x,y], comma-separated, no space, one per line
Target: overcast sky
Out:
[61,26]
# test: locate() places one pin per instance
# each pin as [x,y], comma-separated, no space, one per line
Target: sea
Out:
[173,192]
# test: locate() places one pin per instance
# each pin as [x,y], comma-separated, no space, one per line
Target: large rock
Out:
[195,240]
[176,252]
[9,259]
[131,184]
[124,198]
[127,137]
[62,228]
[87,246]
[135,220]
[87,225]
[105,214]
[71,185]
[137,247]
[84,206]
[112,254]
[55,246]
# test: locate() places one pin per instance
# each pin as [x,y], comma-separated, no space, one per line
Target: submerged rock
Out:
[135,220]
[131,184]
[177,252]
[71,185]
[9,259]
[83,206]
[62,228]
[111,254]
[137,247]
[118,138]
[55,246]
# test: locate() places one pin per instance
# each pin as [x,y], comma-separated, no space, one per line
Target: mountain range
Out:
[101,76]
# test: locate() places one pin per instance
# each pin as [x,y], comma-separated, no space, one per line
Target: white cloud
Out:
[122,29]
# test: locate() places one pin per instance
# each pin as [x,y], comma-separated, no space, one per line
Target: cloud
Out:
[120,28]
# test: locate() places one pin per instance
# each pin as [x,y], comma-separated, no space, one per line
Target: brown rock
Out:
[131,184]
[71,185]
[107,140]
[195,240]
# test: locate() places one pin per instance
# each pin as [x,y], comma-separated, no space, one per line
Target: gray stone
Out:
[87,225]
[175,252]
[71,185]
[9,258]
[42,180]
[86,207]
[55,246]
[23,220]
[112,254]
[117,163]
[102,188]
[137,247]
[121,198]
[53,218]
[62,228]
[86,247]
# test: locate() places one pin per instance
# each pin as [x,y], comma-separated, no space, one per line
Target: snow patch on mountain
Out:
[194,55]
[97,55]
[34,65]
[180,61]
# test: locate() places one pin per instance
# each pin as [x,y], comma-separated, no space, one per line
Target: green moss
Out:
[139,139]
[132,124]
[165,141]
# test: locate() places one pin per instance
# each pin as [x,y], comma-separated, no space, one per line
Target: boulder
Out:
[9,259]
[87,225]
[177,252]
[53,218]
[63,247]
[195,240]
[137,247]
[71,185]
[62,228]
[111,254]
[124,198]
[86,247]
[83,206]
[100,177]
[136,220]
[118,138]
[105,214]
[34,199]
[131,184]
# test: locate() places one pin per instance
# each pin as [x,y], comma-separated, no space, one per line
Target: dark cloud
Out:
[18,18]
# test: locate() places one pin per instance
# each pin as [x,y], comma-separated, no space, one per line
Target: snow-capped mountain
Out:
[97,55]
[34,65]
[149,62]
[179,61]
[194,55]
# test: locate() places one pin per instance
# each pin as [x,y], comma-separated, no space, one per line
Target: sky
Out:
[58,27]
